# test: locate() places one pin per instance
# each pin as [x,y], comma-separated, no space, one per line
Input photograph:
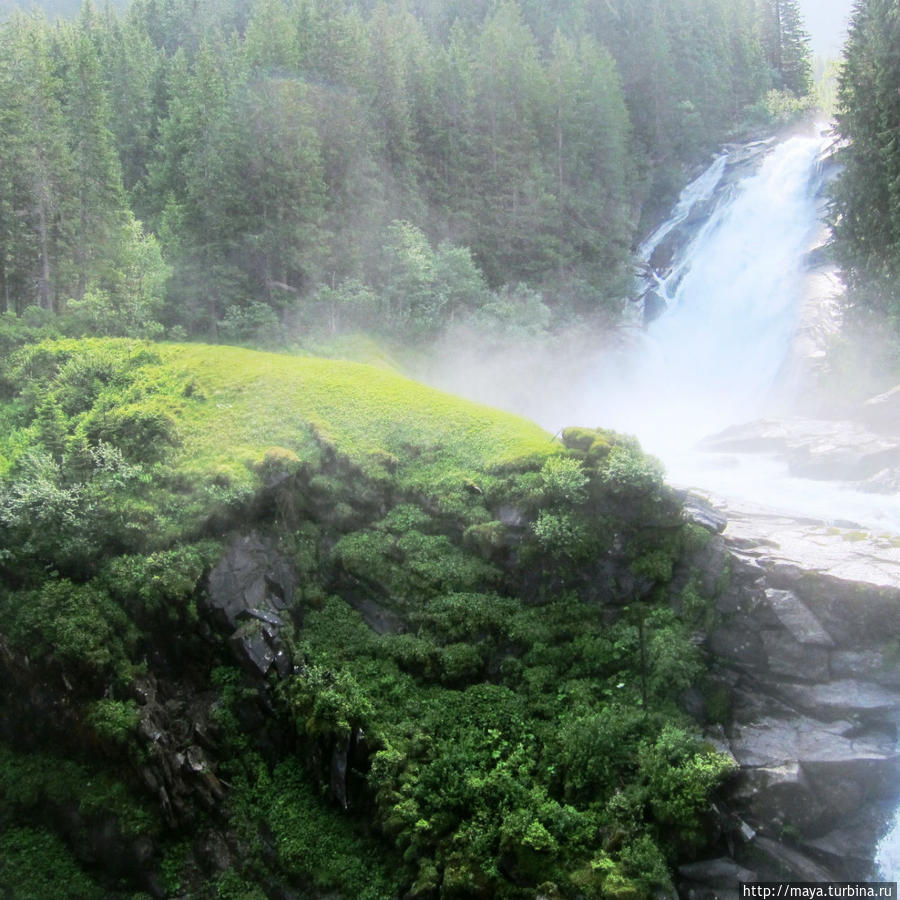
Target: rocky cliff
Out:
[806,656]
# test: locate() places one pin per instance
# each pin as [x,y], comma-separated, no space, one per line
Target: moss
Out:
[594,445]
[717,701]
[491,736]
[36,781]
[695,537]
[36,865]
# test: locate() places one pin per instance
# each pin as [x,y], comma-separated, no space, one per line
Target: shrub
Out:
[35,865]
[114,720]
[563,481]
[559,534]
[326,702]
[77,625]
[627,470]
[681,775]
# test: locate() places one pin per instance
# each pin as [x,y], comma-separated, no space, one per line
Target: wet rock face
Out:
[882,413]
[180,737]
[251,576]
[821,449]
[815,699]
[249,593]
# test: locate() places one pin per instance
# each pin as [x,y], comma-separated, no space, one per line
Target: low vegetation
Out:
[517,725]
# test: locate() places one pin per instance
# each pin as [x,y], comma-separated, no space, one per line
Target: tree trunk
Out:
[44,239]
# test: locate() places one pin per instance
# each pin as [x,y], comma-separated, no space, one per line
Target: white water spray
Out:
[717,355]
[698,191]
[712,358]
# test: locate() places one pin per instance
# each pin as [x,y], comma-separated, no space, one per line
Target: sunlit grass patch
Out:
[244,402]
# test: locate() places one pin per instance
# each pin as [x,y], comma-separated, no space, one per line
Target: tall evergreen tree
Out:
[514,205]
[271,41]
[98,202]
[398,51]
[786,45]
[867,209]
[35,166]
[590,155]
[133,71]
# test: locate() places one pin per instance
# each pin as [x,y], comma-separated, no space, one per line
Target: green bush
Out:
[314,842]
[33,782]
[460,663]
[560,534]
[681,775]
[114,720]
[627,470]
[36,865]
[598,751]
[325,702]
[563,481]
[77,625]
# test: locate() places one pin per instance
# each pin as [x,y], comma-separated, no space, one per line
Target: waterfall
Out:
[697,192]
[731,295]
[717,355]
[712,358]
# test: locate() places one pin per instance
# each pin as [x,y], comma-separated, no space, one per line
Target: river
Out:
[720,354]
[733,286]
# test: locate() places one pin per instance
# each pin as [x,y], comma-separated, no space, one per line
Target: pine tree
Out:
[786,45]
[190,193]
[271,150]
[133,73]
[513,210]
[35,166]
[594,177]
[867,195]
[271,41]
[98,203]
[398,51]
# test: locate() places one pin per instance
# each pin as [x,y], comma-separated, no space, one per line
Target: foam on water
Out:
[716,357]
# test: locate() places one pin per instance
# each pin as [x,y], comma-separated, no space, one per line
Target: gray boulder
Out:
[249,592]
[252,578]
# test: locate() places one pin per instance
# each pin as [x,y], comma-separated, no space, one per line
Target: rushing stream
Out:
[730,271]
[718,354]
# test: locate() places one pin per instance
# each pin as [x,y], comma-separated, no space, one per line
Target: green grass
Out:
[245,402]
[210,425]
[475,731]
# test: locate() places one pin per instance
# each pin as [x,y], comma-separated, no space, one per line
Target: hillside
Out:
[280,624]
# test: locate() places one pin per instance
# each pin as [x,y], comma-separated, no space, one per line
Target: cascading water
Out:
[712,358]
[716,356]
[697,192]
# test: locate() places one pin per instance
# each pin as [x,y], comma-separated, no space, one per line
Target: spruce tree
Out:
[98,200]
[867,195]
[35,166]
[786,44]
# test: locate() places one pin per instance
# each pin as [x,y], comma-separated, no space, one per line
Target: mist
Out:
[749,314]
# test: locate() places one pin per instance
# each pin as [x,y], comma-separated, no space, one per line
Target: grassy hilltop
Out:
[460,675]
